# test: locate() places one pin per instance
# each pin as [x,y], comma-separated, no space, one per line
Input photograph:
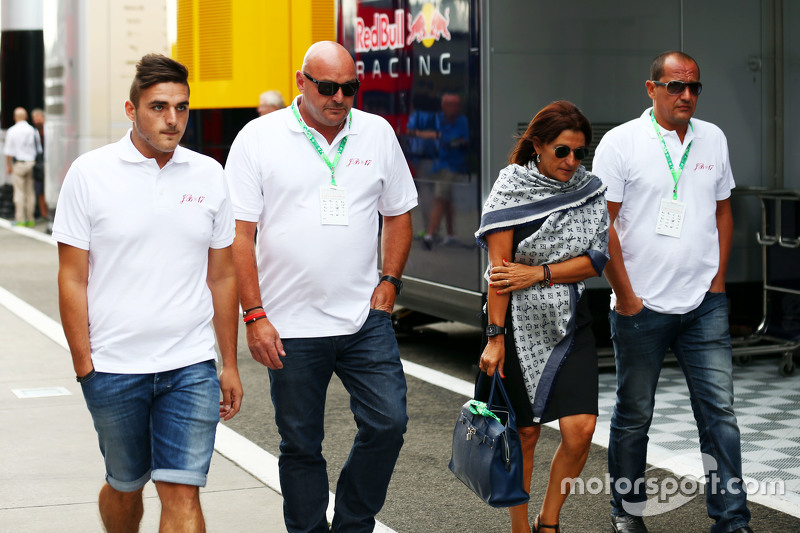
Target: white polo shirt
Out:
[317,280]
[670,274]
[22,142]
[148,232]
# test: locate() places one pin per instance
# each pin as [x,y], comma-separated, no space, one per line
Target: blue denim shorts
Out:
[155,426]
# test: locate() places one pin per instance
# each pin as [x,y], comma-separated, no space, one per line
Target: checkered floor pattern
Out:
[768,411]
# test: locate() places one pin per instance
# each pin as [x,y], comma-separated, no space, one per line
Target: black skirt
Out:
[575,388]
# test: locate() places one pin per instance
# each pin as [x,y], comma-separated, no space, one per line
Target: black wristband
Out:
[398,285]
[87,377]
[244,313]
[254,319]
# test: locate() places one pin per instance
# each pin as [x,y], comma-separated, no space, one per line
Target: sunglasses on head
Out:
[329,88]
[563,151]
[676,87]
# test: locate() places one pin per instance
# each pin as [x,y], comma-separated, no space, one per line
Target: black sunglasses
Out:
[563,151]
[676,87]
[329,88]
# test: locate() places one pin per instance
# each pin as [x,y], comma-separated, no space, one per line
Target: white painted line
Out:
[451,383]
[788,503]
[440,379]
[28,232]
[263,465]
[249,456]
[41,392]
[43,323]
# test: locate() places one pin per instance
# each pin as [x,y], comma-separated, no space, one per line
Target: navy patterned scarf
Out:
[574,222]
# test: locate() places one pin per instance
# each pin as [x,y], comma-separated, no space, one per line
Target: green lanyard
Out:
[310,136]
[676,174]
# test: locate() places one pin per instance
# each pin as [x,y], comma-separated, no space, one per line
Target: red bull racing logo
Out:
[429,26]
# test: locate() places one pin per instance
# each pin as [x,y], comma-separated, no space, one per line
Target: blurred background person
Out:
[450,166]
[21,148]
[270,101]
[37,117]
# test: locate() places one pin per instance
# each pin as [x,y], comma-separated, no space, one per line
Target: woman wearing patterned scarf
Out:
[545,226]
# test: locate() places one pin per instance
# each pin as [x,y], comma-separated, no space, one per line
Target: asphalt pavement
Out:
[52,470]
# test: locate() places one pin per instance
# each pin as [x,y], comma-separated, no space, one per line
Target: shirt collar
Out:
[129,153]
[350,127]
[651,132]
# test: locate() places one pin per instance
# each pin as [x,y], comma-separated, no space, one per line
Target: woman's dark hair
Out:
[547,125]
[153,69]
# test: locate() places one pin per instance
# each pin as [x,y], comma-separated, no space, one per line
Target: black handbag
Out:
[487,453]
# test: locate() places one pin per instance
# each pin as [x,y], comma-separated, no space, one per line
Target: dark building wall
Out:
[21,72]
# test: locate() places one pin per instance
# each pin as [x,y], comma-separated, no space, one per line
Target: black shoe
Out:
[745,529]
[628,524]
[537,526]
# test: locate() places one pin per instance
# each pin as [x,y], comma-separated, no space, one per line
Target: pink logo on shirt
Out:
[703,166]
[188,198]
[357,161]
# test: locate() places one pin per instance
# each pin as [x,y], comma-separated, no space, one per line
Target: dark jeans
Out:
[368,364]
[700,341]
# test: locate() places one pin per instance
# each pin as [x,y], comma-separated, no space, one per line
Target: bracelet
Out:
[252,317]
[546,280]
[87,377]
[259,317]
[244,313]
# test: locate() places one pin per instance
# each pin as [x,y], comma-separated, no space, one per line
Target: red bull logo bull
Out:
[428,26]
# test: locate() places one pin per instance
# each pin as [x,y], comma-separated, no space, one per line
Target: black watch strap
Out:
[493,330]
[398,285]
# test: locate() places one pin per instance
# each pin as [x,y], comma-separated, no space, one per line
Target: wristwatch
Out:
[398,285]
[493,330]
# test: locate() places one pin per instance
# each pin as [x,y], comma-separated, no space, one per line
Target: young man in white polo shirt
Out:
[144,230]
[669,185]
[315,178]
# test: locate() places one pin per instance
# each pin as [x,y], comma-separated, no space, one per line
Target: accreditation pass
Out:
[670,218]
[333,205]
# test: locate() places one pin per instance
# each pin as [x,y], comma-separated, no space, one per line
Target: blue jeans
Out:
[159,425]
[368,364]
[700,340]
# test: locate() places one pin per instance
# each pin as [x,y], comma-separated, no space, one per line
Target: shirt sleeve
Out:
[243,175]
[725,180]
[607,165]
[8,147]
[224,229]
[72,223]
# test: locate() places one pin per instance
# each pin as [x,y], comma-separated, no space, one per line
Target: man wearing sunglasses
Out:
[316,178]
[669,184]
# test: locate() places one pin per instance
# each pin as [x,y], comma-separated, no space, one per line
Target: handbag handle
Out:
[498,384]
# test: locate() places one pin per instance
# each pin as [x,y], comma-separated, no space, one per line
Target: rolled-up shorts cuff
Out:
[181,477]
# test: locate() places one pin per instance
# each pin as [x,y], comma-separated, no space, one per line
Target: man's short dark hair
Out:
[153,69]
[657,66]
